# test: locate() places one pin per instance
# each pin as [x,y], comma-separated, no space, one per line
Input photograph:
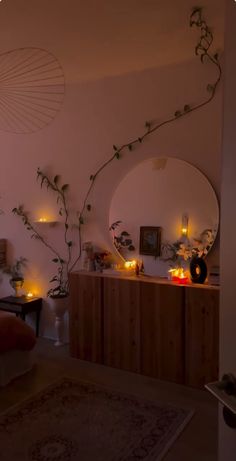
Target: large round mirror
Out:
[164,210]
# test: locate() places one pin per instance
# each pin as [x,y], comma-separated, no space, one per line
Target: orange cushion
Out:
[15,334]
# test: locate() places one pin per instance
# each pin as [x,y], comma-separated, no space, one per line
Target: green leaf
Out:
[54,279]
[177,113]
[131,248]
[202,57]
[125,233]
[210,88]
[186,108]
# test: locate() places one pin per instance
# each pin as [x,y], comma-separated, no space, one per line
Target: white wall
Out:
[124,63]
[228,223]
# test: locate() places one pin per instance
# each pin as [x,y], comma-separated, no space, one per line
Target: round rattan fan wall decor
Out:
[32,88]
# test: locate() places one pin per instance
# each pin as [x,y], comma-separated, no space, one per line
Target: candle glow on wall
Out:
[184,227]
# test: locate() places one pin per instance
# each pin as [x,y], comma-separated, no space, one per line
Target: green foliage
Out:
[186,108]
[122,240]
[63,266]
[148,125]
[202,50]
[177,113]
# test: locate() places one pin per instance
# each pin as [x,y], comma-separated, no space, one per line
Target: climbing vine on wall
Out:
[203,51]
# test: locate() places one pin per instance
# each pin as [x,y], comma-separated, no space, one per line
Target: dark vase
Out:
[198,270]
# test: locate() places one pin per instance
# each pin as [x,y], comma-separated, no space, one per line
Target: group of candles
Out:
[176,274]
[179,275]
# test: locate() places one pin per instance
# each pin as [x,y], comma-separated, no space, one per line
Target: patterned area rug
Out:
[77,421]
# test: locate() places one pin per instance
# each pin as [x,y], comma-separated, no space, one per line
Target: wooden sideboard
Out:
[146,325]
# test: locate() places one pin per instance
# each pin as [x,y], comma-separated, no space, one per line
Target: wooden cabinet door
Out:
[121,324]
[202,336]
[85,317]
[162,331]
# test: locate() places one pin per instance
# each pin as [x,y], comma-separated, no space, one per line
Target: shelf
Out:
[46,223]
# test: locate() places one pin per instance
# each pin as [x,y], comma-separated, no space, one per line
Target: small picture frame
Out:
[150,241]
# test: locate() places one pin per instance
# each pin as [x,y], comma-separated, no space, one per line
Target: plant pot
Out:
[59,306]
[17,284]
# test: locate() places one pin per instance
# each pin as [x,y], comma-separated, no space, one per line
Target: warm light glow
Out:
[42,219]
[184,227]
[130,264]
[29,295]
[178,274]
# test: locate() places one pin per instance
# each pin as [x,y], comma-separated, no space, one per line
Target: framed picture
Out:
[150,241]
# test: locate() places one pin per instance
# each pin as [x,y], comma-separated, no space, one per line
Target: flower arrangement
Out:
[184,250]
[101,260]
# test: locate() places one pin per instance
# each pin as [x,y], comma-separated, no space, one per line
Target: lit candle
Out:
[183,278]
[178,275]
[42,219]
[129,265]
[29,295]
[184,227]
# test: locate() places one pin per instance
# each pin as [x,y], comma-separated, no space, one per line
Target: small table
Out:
[21,306]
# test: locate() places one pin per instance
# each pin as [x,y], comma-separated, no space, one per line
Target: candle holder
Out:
[178,275]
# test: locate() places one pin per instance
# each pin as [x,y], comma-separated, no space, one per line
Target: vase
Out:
[198,270]
[17,284]
[59,307]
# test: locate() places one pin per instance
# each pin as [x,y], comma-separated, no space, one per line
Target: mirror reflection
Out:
[164,211]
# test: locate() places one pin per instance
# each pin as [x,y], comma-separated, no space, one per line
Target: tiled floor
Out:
[198,442]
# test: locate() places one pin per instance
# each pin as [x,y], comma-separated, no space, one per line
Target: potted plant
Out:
[59,293]
[16,274]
